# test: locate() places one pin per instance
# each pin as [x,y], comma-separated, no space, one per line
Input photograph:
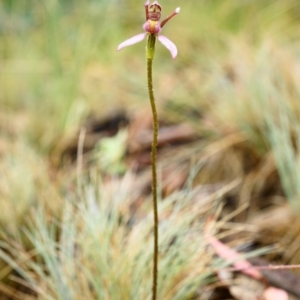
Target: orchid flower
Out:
[153,27]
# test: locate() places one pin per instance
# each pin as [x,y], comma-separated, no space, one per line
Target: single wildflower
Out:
[153,27]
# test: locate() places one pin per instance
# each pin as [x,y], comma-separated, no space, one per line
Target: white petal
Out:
[135,39]
[169,45]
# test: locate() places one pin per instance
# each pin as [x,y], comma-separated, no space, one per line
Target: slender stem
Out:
[151,43]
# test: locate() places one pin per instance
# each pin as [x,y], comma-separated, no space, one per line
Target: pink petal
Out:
[135,39]
[169,45]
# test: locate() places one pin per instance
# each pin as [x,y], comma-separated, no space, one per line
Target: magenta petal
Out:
[169,45]
[135,39]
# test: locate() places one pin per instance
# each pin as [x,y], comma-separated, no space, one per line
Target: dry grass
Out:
[101,250]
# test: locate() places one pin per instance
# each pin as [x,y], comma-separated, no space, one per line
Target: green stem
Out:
[150,56]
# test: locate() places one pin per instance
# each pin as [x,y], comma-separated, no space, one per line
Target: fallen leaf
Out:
[272,293]
[233,257]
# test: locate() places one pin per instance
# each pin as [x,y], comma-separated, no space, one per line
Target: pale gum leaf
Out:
[273,293]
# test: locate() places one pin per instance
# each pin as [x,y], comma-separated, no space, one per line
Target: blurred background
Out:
[72,106]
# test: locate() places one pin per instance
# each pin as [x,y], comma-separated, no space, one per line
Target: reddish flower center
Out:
[152,27]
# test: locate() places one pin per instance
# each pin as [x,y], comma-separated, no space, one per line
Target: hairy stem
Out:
[150,55]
